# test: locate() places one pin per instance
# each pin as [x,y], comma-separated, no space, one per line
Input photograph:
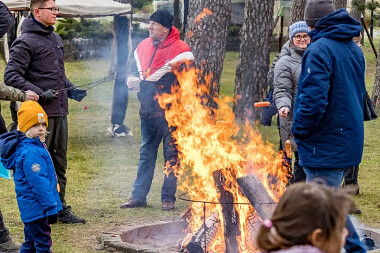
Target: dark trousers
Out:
[3,128]
[4,233]
[119,101]
[56,142]
[298,172]
[154,129]
[37,237]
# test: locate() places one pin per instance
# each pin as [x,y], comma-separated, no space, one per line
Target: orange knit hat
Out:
[30,114]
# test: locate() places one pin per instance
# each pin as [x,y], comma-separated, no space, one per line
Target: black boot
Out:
[70,218]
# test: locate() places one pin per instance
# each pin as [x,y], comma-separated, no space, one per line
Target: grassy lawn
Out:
[101,170]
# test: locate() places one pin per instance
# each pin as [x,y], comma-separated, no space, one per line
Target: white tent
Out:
[78,8]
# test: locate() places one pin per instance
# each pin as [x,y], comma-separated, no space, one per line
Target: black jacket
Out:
[37,63]
[6,19]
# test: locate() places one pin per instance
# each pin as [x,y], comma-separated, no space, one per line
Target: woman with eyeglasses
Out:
[286,74]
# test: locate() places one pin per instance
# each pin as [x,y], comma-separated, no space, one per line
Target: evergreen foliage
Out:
[70,28]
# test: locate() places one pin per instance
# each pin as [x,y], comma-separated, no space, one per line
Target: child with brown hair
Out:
[308,218]
[25,153]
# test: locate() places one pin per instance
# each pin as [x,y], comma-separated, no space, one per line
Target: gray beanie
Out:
[316,9]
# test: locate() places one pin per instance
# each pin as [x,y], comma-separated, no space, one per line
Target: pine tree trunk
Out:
[177,20]
[297,11]
[207,38]
[251,82]
[355,12]
[339,4]
[376,86]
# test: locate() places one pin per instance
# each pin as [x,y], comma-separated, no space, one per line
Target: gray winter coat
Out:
[286,74]
[36,64]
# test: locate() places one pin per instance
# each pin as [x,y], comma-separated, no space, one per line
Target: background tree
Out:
[376,86]
[251,82]
[176,10]
[206,34]
[357,8]
[297,11]
[340,4]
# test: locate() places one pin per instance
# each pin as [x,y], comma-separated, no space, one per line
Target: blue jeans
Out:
[154,129]
[333,177]
[37,237]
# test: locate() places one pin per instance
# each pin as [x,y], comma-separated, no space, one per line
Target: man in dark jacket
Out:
[37,63]
[154,57]
[328,113]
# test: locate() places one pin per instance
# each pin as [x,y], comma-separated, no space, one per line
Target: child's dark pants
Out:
[37,237]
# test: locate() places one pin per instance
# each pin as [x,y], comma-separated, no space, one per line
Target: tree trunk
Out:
[357,9]
[177,19]
[339,4]
[297,11]
[376,86]
[251,82]
[206,34]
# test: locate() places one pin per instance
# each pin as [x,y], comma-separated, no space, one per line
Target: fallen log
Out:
[257,195]
[230,215]
[205,235]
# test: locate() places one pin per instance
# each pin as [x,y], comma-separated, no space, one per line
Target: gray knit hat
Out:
[298,27]
[316,9]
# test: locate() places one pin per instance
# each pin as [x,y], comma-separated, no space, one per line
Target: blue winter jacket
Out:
[34,175]
[328,119]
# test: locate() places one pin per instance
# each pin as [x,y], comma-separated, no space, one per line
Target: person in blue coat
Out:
[328,119]
[25,153]
[328,112]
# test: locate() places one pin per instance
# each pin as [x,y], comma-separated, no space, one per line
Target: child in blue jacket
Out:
[25,153]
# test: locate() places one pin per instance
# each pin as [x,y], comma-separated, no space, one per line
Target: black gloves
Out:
[77,94]
[48,96]
[52,219]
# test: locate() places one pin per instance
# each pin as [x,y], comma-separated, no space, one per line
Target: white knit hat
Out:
[298,27]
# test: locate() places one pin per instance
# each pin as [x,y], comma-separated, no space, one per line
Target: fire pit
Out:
[159,237]
[167,236]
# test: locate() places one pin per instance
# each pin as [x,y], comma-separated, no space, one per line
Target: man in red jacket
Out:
[154,56]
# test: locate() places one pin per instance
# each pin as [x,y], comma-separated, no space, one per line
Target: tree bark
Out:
[297,11]
[251,71]
[339,4]
[177,19]
[355,11]
[376,86]
[207,38]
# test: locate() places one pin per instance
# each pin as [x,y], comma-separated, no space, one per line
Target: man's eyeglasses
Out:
[299,37]
[52,9]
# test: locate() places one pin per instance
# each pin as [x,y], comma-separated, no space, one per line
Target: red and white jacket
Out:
[153,62]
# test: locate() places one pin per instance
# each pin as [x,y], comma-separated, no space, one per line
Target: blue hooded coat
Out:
[328,119]
[34,175]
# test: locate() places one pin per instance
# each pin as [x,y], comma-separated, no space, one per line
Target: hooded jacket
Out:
[153,62]
[36,63]
[286,75]
[328,112]
[34,175]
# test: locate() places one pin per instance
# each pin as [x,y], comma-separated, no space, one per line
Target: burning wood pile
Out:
[226,168]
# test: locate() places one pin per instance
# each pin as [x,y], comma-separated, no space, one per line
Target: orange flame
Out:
[204,13]
[210,140]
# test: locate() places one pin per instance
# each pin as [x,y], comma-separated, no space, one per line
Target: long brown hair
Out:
[302,209]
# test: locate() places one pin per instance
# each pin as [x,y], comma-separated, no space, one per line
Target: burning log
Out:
[257,195]
[230,215]
[205,235]
[253,226]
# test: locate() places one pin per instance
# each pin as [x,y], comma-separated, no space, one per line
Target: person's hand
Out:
[77,94]
[284,112]
[31,95]
[48,96]
[52,219]
[133,83]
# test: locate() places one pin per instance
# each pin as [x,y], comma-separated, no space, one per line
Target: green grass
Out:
[101,170]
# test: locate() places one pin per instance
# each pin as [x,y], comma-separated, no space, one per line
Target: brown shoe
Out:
[168,206]
[10,246]
[132,203]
